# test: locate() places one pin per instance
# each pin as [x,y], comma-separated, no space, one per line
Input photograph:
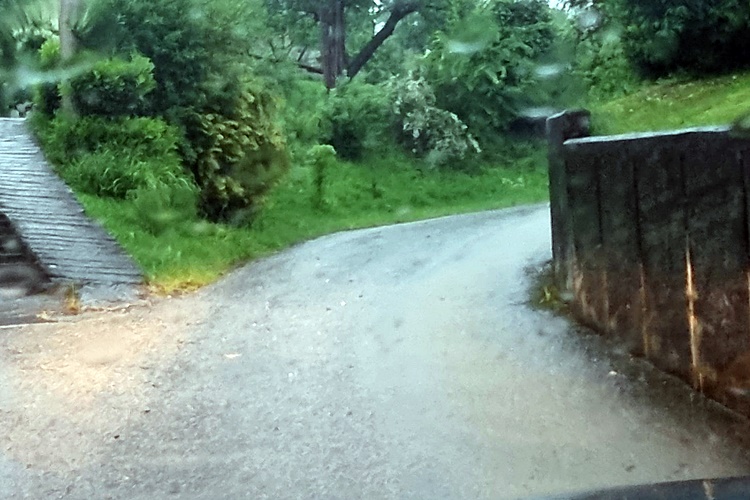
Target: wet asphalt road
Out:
[399,362]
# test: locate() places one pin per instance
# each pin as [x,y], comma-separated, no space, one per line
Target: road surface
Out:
[395,363]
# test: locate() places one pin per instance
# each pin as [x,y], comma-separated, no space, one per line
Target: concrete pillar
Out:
[561,127]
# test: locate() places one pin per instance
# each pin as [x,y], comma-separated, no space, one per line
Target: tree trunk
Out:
[68,45]
[333,41]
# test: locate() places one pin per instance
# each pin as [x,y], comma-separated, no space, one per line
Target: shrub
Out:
[114,87]
[188,41]
[321,158]
[110,173]
[310,126]
[113,157]
[47,97]
[482,67]
[231,137]
[67,138]
[691,35]
[602,64]
[240,154]
[359,119]
[164,207]
[423,128]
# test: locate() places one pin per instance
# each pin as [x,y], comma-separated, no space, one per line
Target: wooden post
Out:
[561,127]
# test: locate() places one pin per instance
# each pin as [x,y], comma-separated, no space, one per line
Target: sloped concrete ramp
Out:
[68,245]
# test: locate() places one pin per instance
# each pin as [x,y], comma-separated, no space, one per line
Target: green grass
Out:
[383,191]
[675,105]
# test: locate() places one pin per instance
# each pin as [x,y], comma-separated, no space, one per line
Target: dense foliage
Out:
[181,61]
[90,153]
[694,35]
[240,153]
[660,38]
[482,67]
[425,130]
[114,87]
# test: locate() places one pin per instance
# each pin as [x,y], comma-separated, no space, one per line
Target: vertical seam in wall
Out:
[571,263]
[690,290]
[598,194]
[604,311]
[642,295]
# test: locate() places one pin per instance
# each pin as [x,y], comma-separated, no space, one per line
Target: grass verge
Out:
[676,104]
[189,255]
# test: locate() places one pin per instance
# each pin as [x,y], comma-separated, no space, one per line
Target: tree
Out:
[69,11]
[332,18]
[482,65]
[230,136]
[68,14]
[660,37]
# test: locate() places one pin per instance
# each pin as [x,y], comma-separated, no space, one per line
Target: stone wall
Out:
[651,240]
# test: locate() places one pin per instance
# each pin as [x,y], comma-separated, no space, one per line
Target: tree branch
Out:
[398,12]
[300,65]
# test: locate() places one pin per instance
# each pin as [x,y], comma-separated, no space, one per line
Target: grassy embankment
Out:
[376,192]
[674,105]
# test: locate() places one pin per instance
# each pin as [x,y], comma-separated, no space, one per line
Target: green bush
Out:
[189,41]
[482,67]
[426,130]
[240,154]
[66,138]
[321,158]
[115,174]
[47,97]
[304,112]
[113,157]
[359,119]
[603,65]
[166,207]
[690,35]
[114,87]
[231,139]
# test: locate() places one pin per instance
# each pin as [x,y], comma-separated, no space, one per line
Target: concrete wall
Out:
[651,237]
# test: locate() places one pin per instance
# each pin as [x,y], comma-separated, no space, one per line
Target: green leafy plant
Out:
[694,36]
[231,136]
[114,87]
[321,158]
[426,130]
[167,207]
[65,138]
[47,94]
[311,125]
[603,65]
[359,119]
[109,173]
[482,66]
[113,157]
[240,154]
